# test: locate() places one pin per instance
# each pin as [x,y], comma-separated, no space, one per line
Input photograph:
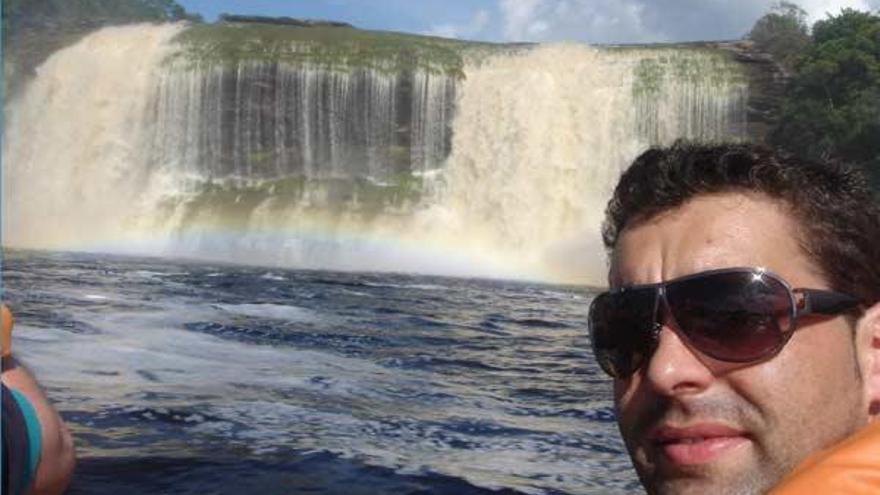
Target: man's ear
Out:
[868,349]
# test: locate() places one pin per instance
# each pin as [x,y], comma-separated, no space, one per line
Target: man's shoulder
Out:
[851,467]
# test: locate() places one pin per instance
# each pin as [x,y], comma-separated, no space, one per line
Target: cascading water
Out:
[540,139]
[74,141]
[264,120]
[121,143]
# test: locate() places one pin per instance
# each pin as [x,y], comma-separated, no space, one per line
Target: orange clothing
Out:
[851,467]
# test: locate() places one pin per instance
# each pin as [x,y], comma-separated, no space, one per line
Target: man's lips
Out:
[697,443]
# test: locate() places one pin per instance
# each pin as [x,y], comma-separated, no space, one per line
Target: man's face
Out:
[696,425]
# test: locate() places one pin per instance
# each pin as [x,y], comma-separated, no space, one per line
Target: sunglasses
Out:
[737,315]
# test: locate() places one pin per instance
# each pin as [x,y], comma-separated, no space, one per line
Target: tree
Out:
[782,33]
[107,11]
[832,108]
[33,29]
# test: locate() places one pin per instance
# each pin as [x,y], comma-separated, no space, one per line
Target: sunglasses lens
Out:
[621,328]
[735,316]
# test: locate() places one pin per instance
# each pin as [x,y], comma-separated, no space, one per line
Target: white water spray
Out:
[541,138]
[301,166]
[73,151]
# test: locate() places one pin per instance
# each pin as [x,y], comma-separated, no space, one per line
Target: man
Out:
[742,325]
[37,448]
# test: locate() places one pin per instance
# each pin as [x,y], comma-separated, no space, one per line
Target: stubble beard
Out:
[747,482]
[754,475]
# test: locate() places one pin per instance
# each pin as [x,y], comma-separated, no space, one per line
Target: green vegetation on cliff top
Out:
[329,47]
[783,33]
[686,65]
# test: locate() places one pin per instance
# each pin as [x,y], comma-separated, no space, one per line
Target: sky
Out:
[591,21]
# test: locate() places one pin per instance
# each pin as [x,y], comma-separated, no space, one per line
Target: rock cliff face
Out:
[767,81]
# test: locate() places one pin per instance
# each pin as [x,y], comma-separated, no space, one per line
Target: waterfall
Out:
[266,120]
[73,145]
[541,137]
[121,144]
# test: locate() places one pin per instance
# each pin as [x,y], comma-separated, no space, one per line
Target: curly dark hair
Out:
[837,213]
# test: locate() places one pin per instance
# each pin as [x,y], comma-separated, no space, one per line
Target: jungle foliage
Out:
[831,109]
[782,32]
[92,11]
[33,29]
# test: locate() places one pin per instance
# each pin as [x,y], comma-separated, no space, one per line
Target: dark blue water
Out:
[191,378]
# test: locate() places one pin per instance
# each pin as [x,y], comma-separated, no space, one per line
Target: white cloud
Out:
[519,17]
[537,28]
[819,9]
[646,21]
[591,20]
[471,29]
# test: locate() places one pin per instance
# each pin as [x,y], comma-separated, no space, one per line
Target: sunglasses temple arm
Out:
[824,302]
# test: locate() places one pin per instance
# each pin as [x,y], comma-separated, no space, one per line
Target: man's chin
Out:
[709,482]
[706,486]
[716,468]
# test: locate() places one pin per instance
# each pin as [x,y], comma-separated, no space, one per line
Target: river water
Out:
[192,378]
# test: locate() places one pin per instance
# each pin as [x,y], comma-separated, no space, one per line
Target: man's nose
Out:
[675,369]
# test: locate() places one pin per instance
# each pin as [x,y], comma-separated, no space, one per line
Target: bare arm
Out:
[57,454]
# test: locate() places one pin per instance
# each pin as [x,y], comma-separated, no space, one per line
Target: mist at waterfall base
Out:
[124,143]
[192,378]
